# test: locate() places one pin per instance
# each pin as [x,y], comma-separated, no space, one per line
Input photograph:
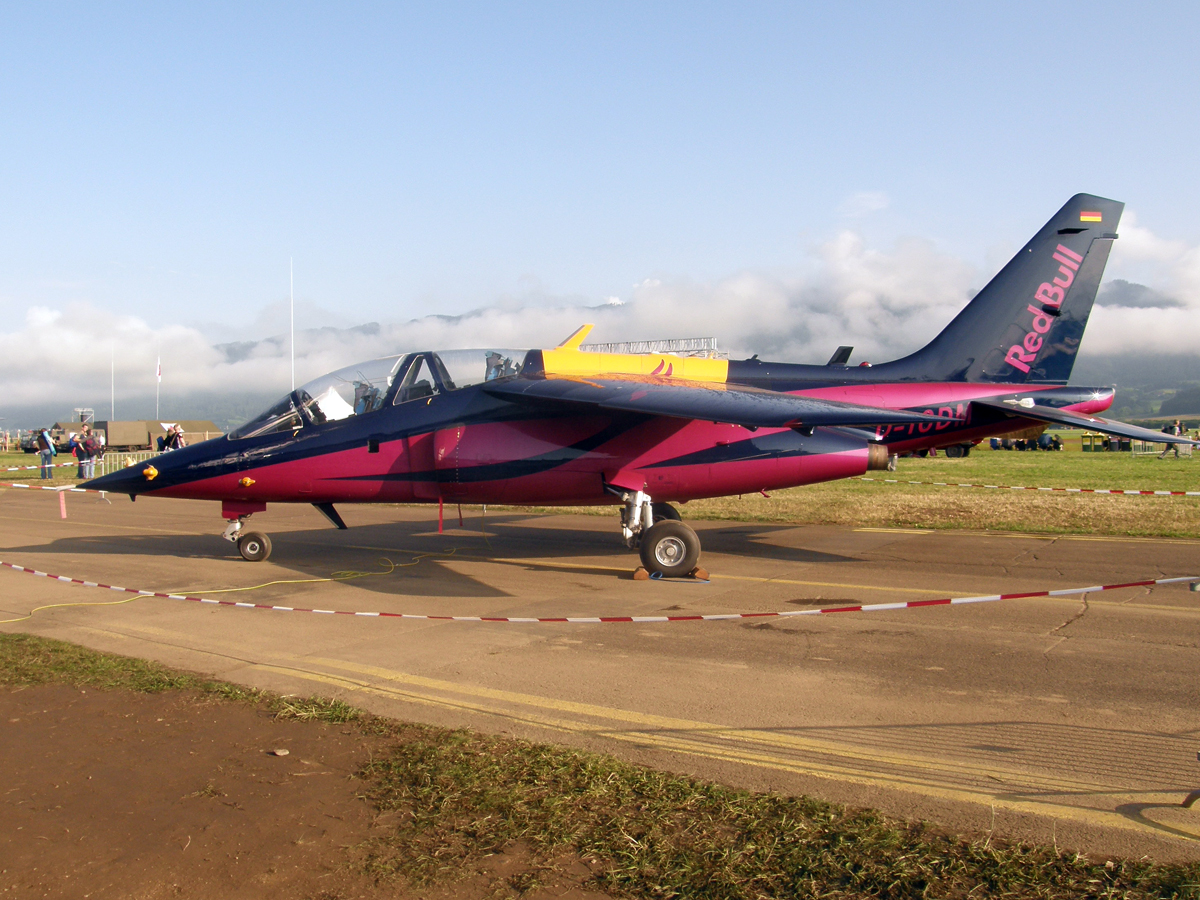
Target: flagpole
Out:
[292,315]
[112,380]
[157,384]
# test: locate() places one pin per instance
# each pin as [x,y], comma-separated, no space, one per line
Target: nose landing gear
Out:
[667,547]
[253,545]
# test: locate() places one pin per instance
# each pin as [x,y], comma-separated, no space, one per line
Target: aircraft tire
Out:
[254,546]
[665,511]
[670,549]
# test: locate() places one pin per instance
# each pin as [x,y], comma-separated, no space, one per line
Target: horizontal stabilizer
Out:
[727,403]
[1082,420]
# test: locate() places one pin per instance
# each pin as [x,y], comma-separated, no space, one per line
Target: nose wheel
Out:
[253,545]
[668,548]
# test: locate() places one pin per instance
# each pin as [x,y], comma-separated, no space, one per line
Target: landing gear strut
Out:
[667,546]
[253,545]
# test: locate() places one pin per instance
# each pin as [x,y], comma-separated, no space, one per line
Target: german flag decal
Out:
[1090,217]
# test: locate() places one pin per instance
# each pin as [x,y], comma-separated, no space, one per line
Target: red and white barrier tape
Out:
[48,487]
[1015,487]
[598,620]
[52,466]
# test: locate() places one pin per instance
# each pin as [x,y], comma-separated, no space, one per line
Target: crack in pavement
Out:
[1075,618]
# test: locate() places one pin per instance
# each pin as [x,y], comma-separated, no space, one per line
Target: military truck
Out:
[143,434]
[60,433]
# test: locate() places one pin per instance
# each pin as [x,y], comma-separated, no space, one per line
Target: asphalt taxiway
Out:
[1052,719]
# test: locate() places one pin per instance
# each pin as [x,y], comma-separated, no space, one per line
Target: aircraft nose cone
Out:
[134,479]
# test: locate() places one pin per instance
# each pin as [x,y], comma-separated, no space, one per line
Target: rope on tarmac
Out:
[598,620]
[1017,487]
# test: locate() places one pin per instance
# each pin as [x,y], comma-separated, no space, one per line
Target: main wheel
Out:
[670,549]
[665,511]
[254,546]
[954,451]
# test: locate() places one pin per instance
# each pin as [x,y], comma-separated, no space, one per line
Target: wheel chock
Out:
[640,574]
[700,574]
[1190,799]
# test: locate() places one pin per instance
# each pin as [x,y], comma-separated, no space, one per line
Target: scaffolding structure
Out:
[699,346]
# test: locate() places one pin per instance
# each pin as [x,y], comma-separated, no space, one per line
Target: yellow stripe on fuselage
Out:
[580,363]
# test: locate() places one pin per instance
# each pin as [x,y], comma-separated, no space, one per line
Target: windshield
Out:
[351,391]
[364,387]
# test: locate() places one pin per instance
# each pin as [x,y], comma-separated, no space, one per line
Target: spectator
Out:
[91,449]
[75,445]
[46,451]
[1176,429]
[174,439]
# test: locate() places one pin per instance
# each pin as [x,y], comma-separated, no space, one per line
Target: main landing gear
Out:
[253,545]
[667,547]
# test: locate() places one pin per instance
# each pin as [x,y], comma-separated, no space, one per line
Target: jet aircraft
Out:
[571,426]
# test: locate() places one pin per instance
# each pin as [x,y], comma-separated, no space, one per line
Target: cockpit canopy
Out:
[363,388]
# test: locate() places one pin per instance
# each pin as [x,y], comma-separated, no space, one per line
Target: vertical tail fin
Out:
[1026,324]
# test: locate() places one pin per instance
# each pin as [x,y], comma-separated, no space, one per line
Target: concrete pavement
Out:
[1042,719]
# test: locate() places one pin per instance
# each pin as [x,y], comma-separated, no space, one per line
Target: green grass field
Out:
[876,504]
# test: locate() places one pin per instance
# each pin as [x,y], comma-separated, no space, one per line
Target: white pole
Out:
[157,384]
[112,382]
[292,315]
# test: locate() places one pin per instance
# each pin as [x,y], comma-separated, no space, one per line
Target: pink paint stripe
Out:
[591,620]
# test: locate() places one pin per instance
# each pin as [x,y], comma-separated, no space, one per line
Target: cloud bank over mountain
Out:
[884,303]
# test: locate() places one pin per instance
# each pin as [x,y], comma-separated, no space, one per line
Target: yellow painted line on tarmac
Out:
[675,742]
[711,730]
[897,530]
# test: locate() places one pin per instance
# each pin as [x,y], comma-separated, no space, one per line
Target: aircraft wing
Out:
[733,404]
[1081,420]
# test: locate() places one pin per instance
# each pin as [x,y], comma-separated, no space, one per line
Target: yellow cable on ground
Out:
[57,605]
[346,575]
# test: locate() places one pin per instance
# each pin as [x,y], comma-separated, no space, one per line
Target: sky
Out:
[783,176]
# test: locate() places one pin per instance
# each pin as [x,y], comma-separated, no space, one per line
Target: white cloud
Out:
[1170,266]
[884,303]
[863,203]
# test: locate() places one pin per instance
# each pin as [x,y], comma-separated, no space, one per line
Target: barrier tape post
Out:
[605,620]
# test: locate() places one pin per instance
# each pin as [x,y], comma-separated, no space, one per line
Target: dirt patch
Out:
[114,794]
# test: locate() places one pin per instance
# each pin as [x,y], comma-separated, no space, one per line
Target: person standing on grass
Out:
[76,447]
[1176,429]
[47,451]
[89,449]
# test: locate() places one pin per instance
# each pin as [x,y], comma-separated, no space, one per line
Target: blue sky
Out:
[784,177]
[166,159]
